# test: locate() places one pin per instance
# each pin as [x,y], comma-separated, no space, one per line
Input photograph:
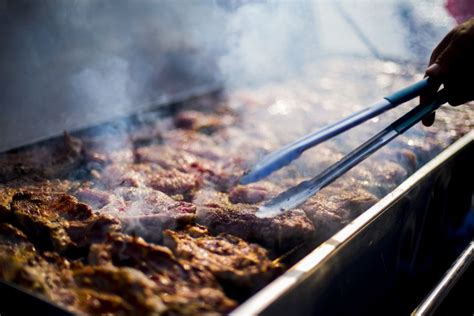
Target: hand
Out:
[452,64]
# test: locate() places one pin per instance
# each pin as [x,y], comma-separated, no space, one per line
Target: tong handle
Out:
[410,92]
[418,113]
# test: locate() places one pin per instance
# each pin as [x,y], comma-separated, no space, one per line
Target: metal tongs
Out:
[298,194]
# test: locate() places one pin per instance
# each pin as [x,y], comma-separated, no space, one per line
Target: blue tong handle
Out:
[410,92]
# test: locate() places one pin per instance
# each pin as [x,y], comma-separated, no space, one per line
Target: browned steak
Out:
[108,148]
[202,122]
[59,222]
[185,287]
[234,262]
[378,177]
[142,211]
[220,174]
[170,181]
[55,160]
[279,233]
[253,193]
[47,274]
[113,290]
[171,158]
[334,207]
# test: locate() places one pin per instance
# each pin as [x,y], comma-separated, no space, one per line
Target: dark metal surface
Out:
[17,301]
[376,255]
[451,278]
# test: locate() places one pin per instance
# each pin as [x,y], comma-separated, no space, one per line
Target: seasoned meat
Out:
[334,207]
[199,145]
[111,147]
[376,177]
[6,195]
[148,212]
[234,262]
[55,160]
[122,291]
[97,199]
[171,158]
[47,274]
[142,211]
[11,235]
[184,287]
[169,181]
[202,122]
[59,222]
[222,174]
[279,233]
[253,193]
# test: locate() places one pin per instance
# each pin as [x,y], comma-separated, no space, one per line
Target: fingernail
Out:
[433,70]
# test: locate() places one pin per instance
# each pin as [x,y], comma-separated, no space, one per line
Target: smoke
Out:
[80,64]
[270,40]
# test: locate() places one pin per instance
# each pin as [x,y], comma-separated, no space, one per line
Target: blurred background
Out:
[65,65]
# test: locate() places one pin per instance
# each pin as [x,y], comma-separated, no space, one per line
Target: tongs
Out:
[298,194]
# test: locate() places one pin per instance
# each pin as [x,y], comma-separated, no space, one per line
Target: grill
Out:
[415,189]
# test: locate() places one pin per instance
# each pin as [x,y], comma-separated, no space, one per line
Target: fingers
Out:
[441,46]
[433,71]
[429,120]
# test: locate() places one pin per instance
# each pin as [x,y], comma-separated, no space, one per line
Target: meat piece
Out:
[279,233]
[171,181]
[199,145]
[253,193]
[184,288]
[50,160]
[174,182]
[114,146]
[6,195]
[234,262]
[142,211]
[376,176]
[46,274]
[80,289]
[123,291]
[222,174]
[94,198]
[202,122]
[170,158]
[11,236]
[334,207]
[59,221]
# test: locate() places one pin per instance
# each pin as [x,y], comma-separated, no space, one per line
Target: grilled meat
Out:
[185,287]
[279,233]
[206,123]
[334,207]
[157,178]
[142,211]
[169,181]
[253,193]
[122,291]
[220,174]
[59,222]
[55,160]
[234,262]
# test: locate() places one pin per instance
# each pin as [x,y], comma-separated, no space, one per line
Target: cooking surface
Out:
[172,181]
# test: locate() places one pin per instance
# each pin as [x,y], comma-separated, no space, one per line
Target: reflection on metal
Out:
[442,289]
[364,257]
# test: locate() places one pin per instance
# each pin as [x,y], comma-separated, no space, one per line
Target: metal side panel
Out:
[399,236]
